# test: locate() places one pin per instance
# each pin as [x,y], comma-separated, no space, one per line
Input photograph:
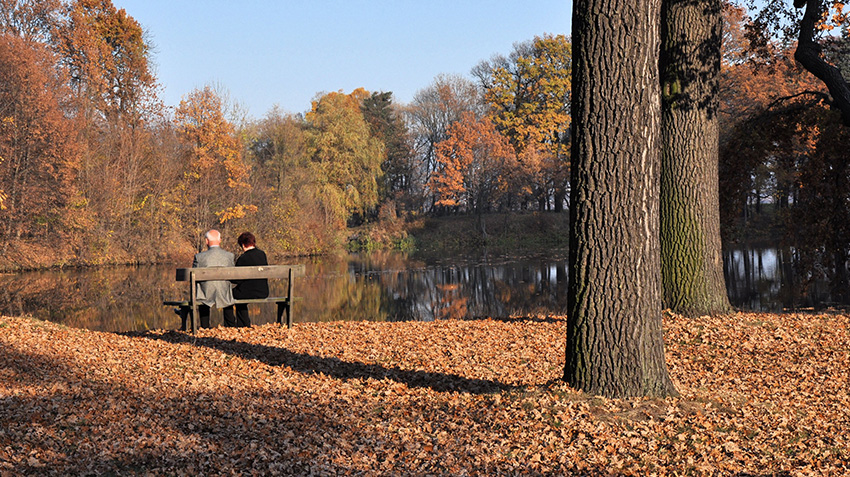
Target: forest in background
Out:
[95,169]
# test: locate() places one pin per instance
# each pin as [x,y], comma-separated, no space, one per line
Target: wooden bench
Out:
[202,274]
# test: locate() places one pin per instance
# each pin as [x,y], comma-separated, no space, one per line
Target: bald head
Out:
[213,237]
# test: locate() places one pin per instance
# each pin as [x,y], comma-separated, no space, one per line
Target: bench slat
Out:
[240,273]
[243,301]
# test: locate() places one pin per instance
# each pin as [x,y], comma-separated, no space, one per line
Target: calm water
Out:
[379,286]
[766,279]
[385,286]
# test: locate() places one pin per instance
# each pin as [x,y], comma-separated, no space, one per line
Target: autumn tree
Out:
[33,20]
[529,97]
[38,148]
[279,146]
[215,174]
[782,145]
[346,157]
[762,117]
[691,262]
[108,59]
[100,52]
[293,216]
[429,115]
[472,165]
[811,32]
[614,338]
[105,52]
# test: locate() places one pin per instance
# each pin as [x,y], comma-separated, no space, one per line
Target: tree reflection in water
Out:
[777,279]
[381,286]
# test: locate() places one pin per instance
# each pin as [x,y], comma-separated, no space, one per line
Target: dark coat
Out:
[251,288]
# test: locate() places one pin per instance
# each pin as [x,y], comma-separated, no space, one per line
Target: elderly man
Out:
[214,293]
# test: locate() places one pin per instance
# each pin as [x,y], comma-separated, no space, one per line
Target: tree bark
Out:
[691,257]
[614,338]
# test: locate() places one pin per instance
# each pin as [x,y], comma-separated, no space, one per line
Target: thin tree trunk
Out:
[614,337]
[691,260]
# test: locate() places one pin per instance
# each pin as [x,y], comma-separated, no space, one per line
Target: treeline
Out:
[95,169]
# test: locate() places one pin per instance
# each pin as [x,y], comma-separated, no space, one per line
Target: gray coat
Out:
[214,293]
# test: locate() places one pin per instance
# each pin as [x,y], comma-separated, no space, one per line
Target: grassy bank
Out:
[512,231]
[760,395]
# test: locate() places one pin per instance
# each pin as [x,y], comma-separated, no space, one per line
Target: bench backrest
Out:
[203,274]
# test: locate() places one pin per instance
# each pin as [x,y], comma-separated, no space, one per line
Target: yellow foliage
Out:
[215,174]
[346,157]
[530,98]
[238,211]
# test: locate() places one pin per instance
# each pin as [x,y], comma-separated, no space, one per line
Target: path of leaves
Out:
[761,395]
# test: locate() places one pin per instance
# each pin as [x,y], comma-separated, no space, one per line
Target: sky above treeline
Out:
[276,52]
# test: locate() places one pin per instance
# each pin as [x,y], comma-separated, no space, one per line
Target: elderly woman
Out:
[251,256]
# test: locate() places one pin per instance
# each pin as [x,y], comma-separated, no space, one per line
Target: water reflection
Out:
[109,299]
[382,286]
[770,279]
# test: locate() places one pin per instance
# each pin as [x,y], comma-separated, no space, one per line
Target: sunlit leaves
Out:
[530,93]
[529,97]
[471,162]
[106,54]
[761,395]
[215,173]
[38,146]
[431,112]
[30,19]
[345,154]
[201,121]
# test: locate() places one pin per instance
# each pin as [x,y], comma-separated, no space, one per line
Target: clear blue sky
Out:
[284,52]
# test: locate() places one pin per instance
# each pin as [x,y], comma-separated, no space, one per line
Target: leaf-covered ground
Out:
[760,395]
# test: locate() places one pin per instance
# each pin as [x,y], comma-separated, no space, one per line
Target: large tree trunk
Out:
[691,260]
[614,336]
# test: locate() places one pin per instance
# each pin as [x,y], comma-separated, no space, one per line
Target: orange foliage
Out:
[215,173]
[105,52]
[530,96]
[472,164]
[38,148]
[213,139]
[756,71]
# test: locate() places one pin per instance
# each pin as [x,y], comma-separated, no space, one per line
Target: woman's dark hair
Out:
[247,239]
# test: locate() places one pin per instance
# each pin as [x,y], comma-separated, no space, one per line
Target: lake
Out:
[380,286]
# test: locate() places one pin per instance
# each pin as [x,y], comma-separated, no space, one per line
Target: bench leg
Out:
[184,312]
[289,315]
[281,308]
